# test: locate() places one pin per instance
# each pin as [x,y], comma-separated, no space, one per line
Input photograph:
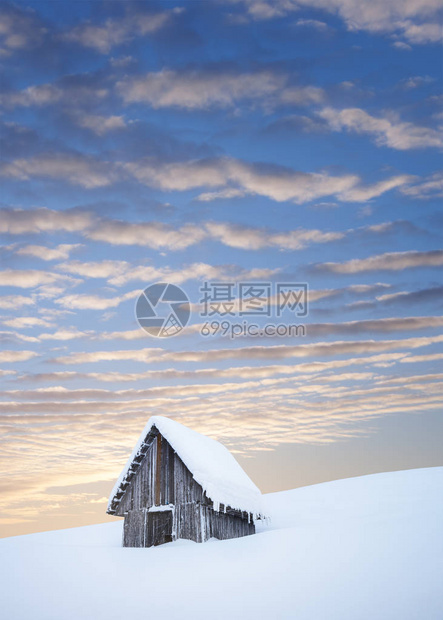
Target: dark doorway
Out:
[158,527]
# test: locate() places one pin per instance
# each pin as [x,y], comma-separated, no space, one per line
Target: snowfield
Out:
[360,548]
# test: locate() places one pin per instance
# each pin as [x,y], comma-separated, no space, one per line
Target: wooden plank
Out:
[158,470]
[133,532]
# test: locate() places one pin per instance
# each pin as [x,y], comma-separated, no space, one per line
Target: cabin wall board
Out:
[229,526]
[134,529]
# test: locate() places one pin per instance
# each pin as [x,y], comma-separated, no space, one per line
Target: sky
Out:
[235,142]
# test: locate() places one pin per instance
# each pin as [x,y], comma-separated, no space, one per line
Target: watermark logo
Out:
[292,296]
[163,310]
[226,308]
[230,300]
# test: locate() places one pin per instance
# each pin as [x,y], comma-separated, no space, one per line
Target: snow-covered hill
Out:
[361,548]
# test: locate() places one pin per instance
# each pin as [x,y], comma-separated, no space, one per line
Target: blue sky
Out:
[217,141]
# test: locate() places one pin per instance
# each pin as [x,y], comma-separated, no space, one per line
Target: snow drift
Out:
[355,549]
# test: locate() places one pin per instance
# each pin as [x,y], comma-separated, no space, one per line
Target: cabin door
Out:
[158,528]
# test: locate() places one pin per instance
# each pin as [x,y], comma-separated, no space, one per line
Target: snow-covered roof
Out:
[210,463]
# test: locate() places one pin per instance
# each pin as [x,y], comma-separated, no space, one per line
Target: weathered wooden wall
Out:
[154,482]
[161,479]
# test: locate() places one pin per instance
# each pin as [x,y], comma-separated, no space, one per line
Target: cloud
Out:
[387,325]
[100,125]
[120,272]
[250,238]
[94,302]
[365,193]
[49,291]
[16,337]
[405,298]
[237,372]
[151,355]
[311,23]
[69,91]
[21,221]
[16,356]
[375,326]
[391,261]
[401,45]
[11,302]
[160,236]
[20,29]
[228,193]
[77,169]
[386,131]
[432,357]
[189,90]
[44,94]
[151,234]
[433,294]
[99,356]
[305,350]
[40,251]
[194,271]
[179,176]
[408,19]
[61,394]
[275,182]
[95,269]
[26,322]
[132,334]
[410,379]
[117,232]
[65,334]
[195,90]
[198,89]
[421,33]
[121,61]
[30,278]
[197,271]
[7,373]
[114,32]
[301,422]
[303,95]
[363,289]
[430,187]
[416,81]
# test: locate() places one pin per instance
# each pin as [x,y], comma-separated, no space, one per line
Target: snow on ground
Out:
[355,549]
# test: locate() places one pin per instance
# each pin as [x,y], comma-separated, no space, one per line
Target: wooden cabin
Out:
[181,484]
